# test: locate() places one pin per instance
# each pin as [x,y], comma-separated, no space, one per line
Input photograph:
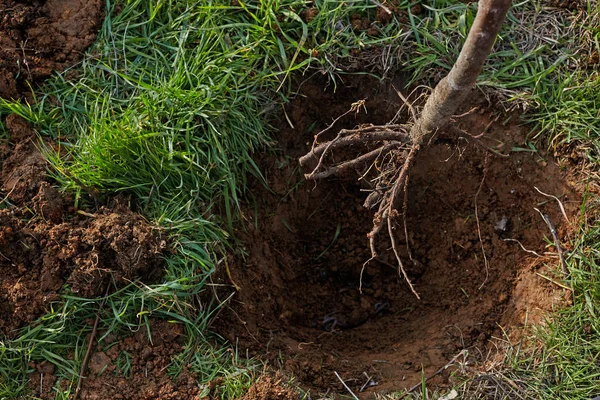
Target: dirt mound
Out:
[38,37]
[45,242]
[306,295]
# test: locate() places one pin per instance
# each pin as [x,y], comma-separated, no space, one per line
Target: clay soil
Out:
[300,304]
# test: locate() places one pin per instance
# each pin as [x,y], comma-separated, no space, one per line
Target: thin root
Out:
[485,260]
[401,271]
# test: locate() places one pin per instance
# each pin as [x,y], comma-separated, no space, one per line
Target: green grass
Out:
[527,67]
[567,364]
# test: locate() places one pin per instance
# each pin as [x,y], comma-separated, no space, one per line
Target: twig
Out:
[409,105]
[89,347]
[552,281]
[346,386]
[384,8]
[562,209]
[563,263]
[369,380]
[485,260]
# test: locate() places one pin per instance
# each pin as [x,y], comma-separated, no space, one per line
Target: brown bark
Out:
[451,91]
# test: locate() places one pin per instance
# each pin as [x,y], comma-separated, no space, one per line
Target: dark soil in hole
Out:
[299,304]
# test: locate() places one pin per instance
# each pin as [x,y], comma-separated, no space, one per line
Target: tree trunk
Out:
[451,91]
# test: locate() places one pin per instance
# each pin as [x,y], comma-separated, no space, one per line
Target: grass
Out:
[169,104]
[567,363]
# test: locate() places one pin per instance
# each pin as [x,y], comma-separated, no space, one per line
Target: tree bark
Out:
[451,91]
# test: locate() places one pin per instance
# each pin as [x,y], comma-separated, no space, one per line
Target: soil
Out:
[302,301]
[111,376]
[47,243]
[302,304]
[270,388]
[38,37]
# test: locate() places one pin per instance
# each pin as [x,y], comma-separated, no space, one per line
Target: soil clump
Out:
[38,37]
[270,388]
[46,243]
[306,295]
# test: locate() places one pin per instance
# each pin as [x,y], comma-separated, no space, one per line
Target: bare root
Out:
[359,136]
[394,140]
[392,175]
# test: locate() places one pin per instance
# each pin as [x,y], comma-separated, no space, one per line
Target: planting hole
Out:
[300,302]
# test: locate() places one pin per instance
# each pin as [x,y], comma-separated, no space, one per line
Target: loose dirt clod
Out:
[37,257]
[39,37]
[132,368]
[310,311]
[270,388]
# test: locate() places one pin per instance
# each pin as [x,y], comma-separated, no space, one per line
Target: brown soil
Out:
[268,388]
[108,376]
[299,302]
[38,37]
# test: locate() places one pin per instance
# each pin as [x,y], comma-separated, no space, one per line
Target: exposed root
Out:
[394,139]
[338,169]
[348,137]
[401,269]
[485,260]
